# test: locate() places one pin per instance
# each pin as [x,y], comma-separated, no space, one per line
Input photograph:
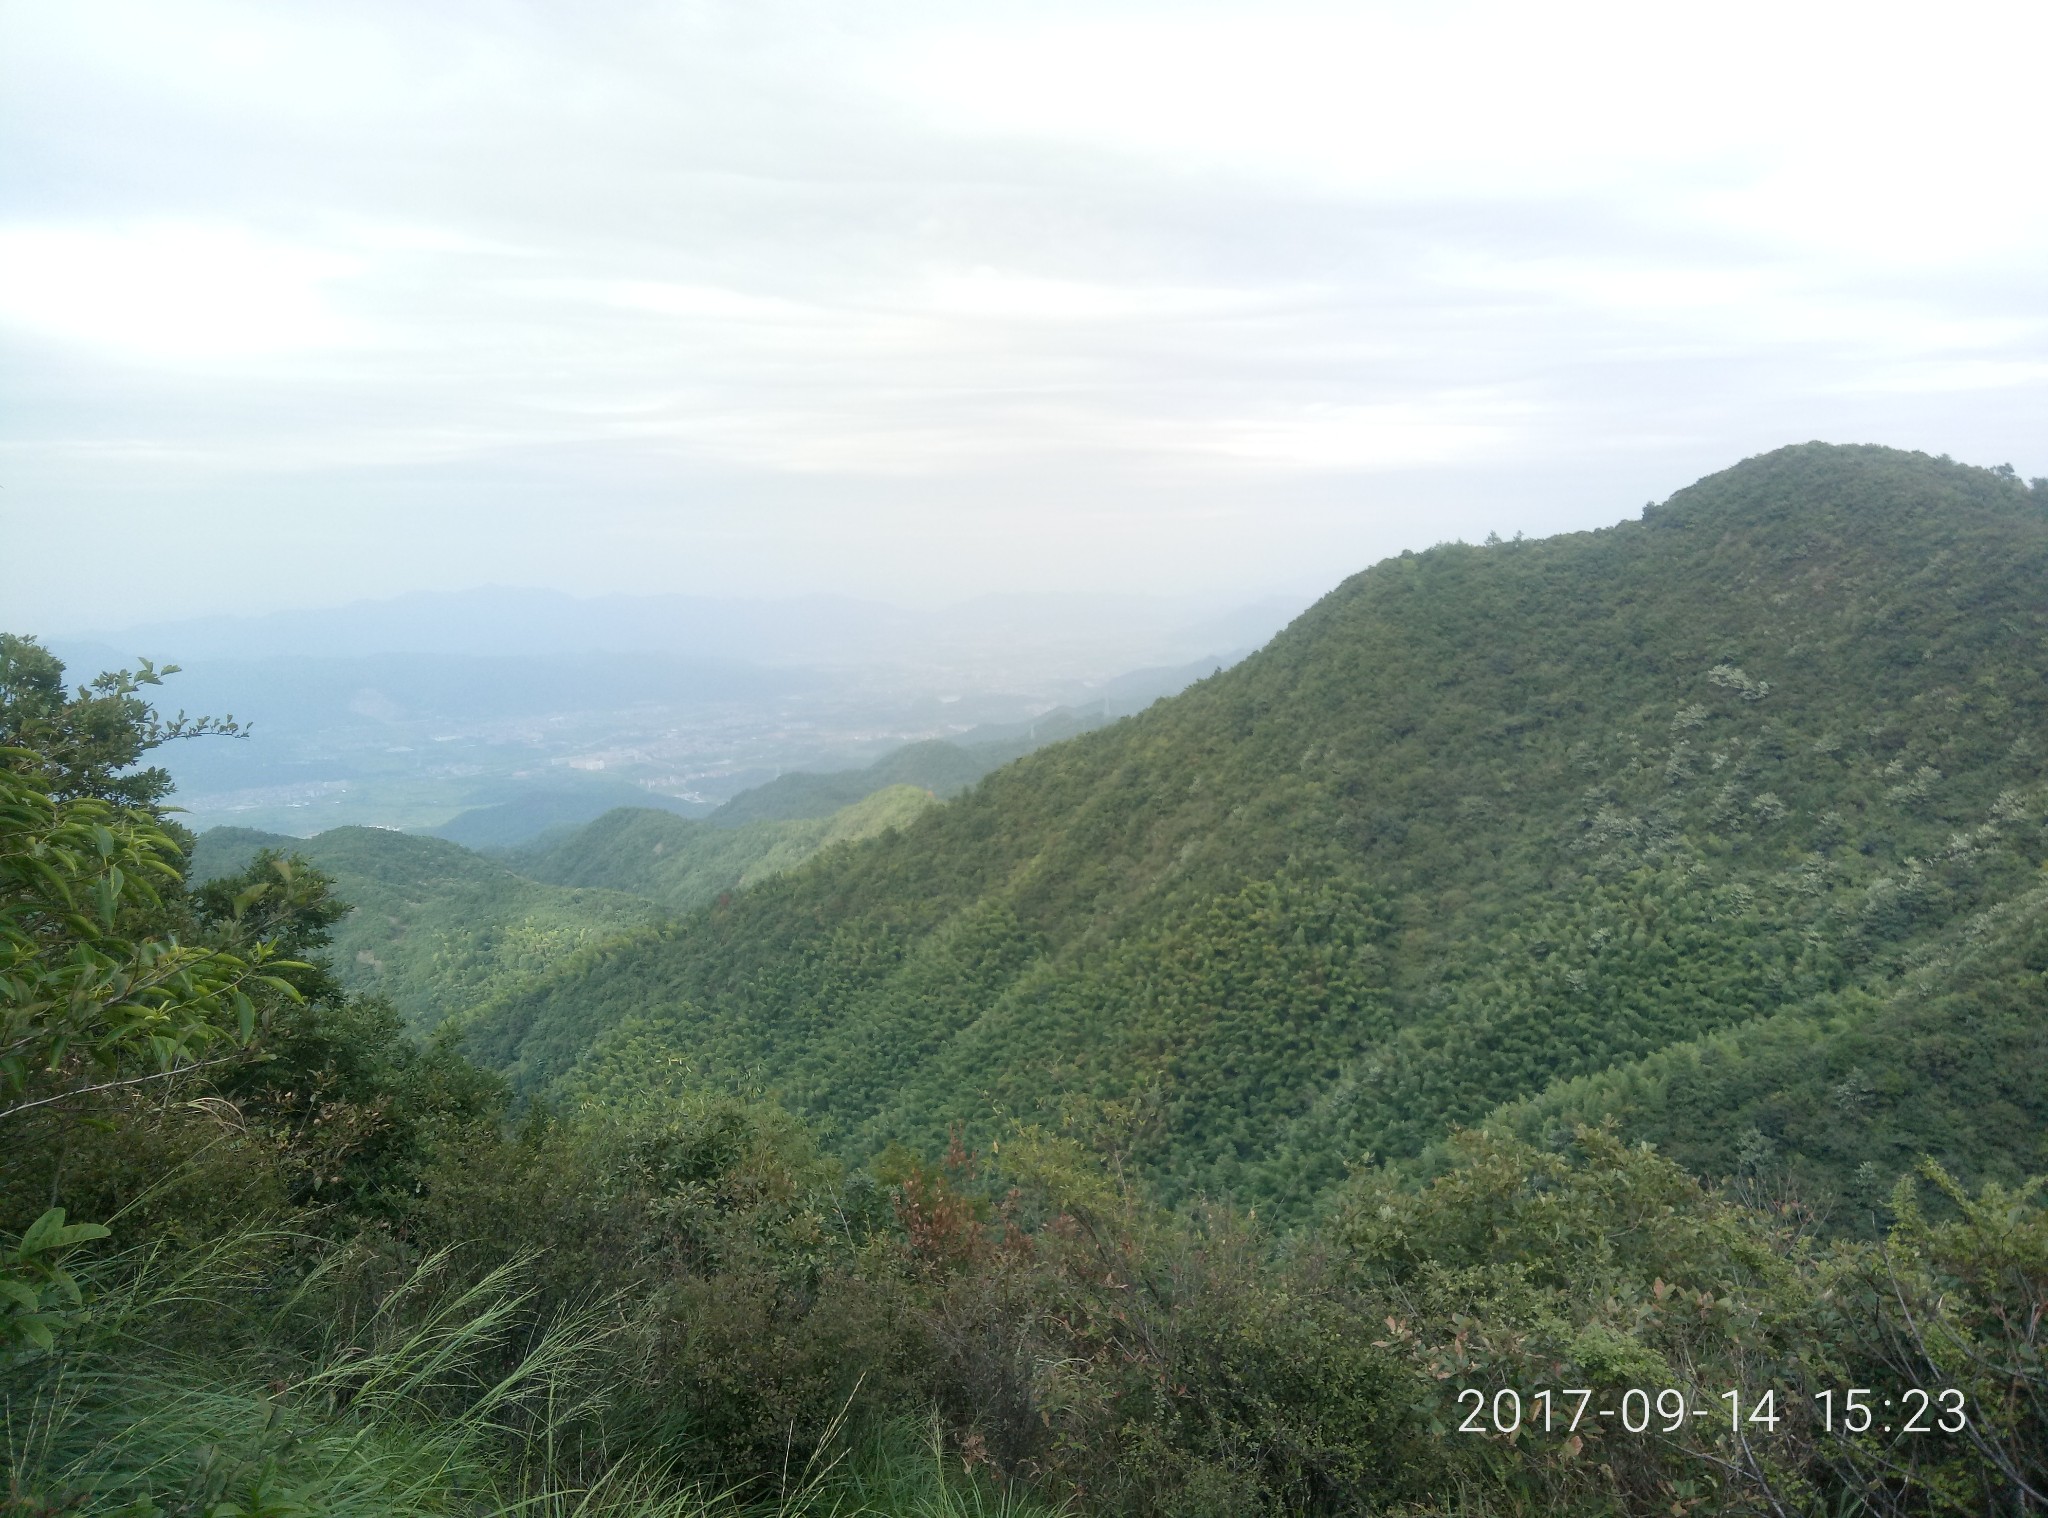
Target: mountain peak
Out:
[1483,823]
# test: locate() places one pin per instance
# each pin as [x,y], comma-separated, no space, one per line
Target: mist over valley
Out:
[493,715]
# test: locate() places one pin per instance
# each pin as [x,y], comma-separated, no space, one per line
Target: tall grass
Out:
[165,1401]
[180,1396]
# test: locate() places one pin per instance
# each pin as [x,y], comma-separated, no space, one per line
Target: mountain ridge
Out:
[1333,900]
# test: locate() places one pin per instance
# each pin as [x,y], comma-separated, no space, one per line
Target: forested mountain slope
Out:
[935,765]
[439,929]
[684,863]
[436,928]
[1841,1093]
[542,810]
[1483,821]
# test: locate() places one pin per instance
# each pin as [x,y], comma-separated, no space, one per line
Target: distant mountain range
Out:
[1062,635]
[492,716]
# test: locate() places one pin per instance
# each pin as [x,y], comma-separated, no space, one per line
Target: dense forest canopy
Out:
[1214,1114]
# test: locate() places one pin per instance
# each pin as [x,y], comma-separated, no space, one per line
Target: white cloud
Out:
[172,291]
[1195,262]
[1001,295]
[1367,437]
[1823,124]
[1943,377]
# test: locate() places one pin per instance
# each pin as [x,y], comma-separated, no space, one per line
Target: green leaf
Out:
[21,1293]
[65,1286]
[42,1233]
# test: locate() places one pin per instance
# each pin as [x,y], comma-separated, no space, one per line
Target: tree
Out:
[94,994]
[87,742]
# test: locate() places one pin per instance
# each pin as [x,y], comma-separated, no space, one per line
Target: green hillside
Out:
[522,818]
[436,928]
[440,930]
[1840,1094]
[683,863]
[944,769]
[1484,821]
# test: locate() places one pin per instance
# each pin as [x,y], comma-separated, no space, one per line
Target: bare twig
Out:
[133,1080]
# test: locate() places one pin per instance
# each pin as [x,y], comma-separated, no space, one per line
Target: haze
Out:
[305,304]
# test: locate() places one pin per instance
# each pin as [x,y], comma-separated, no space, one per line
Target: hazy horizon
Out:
[506,711]
[82,626]
[308,305]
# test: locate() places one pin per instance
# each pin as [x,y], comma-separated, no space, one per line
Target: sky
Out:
[301,304]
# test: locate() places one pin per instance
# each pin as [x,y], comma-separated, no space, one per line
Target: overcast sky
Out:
[315,302]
